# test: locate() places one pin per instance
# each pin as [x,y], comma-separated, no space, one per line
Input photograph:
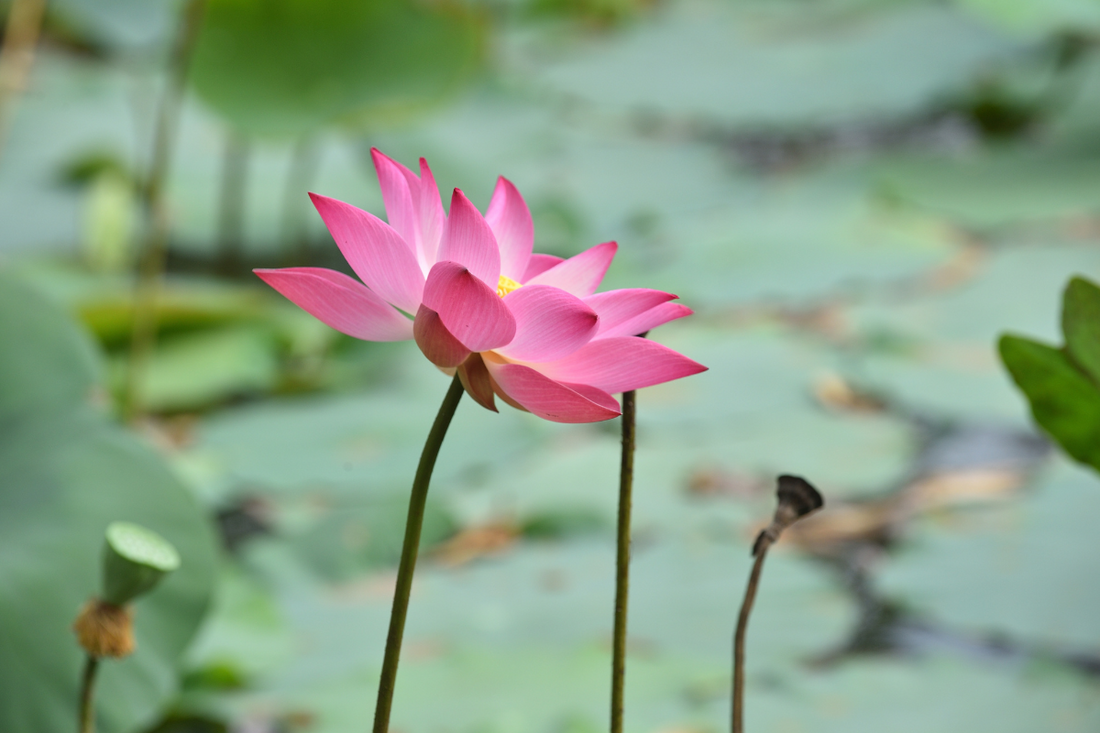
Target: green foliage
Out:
[1062,384]
[353,540]
[564,523]
[287,67]
[1037,17]
[68,473]
[1081,325]
[195,370]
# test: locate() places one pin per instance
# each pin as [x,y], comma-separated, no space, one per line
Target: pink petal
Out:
[619,306]
[469,308]
[550,323]
[468,240]
[437,343]
[620,364]
[398,185]
[639,324]
[377,253]
[548,399]
[511,223]
[430,210]
[581,274]
[340,301]
[539,264]
[596,395]
[475,379]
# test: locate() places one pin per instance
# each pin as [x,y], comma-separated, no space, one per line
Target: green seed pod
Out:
[134,560]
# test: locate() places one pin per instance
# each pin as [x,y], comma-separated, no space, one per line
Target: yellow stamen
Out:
[506,285]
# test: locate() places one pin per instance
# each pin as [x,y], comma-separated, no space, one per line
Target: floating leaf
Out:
[738,65]
[196,370]
[1018,570]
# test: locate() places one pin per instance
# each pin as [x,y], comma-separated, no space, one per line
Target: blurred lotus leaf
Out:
[124,24]
[287,67]
[1063,385]
[1038,17]
[68,473]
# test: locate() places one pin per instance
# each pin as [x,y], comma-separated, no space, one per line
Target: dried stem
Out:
[86,713]
[154,250]
[17,55]
[409,550]
[738,709]
[797,498]
[622,563]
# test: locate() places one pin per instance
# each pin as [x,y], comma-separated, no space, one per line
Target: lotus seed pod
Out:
[797,498]
[134,560]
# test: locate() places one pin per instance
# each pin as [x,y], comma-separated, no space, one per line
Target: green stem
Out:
[409,551]
[303,168]
[154,251]
[86,716]
[622,563]
[737,711]
[231,217]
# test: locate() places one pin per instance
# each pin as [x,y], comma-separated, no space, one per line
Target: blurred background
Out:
[856,196]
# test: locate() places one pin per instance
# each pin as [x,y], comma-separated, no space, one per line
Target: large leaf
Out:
[68,472]
[1064,401]
[285,67]
[46,363]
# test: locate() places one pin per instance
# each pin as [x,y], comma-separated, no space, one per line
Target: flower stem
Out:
[409,552]
[737,713]
[622,563]
[87,686]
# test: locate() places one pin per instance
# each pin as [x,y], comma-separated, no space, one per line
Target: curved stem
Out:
[409,550]
[737,713]
[622,563]
[86,715]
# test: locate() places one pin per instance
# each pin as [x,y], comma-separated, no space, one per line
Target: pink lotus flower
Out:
[530,328]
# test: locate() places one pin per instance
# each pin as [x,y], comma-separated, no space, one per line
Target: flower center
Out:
[506,285]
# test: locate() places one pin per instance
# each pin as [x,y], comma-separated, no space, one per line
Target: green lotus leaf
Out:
[287,67]
[69,472]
